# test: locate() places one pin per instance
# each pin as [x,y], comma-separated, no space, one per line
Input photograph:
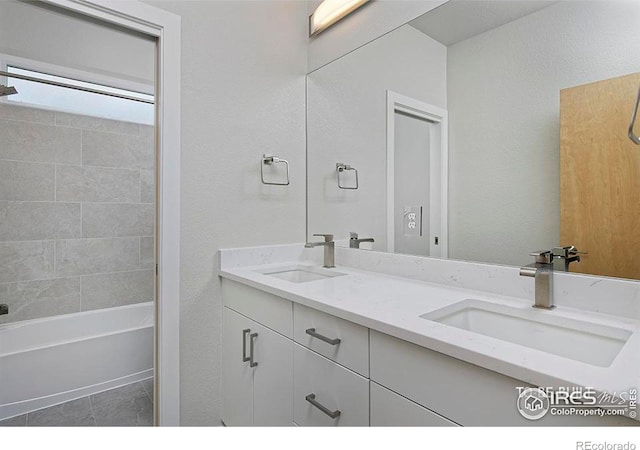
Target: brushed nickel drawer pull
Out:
[245,358]
[251,341]
[312,332]
[311,398]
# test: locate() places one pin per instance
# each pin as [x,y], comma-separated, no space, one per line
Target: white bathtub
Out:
[48,361]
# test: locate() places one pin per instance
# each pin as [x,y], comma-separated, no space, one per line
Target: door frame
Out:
[165,27]
[439,191]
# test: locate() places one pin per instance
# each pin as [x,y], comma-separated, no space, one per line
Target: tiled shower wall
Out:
[76,213]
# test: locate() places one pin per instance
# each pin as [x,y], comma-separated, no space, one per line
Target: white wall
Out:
[243,90]
[347,123]
[368,23]
[47,34]
[504,133]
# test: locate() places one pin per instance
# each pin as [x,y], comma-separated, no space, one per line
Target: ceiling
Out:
[458,20]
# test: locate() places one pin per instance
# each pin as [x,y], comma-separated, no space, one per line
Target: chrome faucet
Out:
[569,254]
[329,249]
[542,271]
[354,241]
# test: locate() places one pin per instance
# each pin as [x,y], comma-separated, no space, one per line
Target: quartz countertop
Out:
[393,305]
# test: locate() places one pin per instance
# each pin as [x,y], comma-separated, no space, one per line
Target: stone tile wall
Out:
[76,213]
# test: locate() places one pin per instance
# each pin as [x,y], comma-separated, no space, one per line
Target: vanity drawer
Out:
[267,309]
[313,329]
[389,409]
[332,388]
[465,393]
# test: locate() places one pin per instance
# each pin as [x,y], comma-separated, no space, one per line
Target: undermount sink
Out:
[302,274]
[587,342]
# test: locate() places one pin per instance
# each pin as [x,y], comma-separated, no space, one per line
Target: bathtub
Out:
[48,361]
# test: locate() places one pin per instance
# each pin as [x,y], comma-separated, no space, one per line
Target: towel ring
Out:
[342,167]
[268,160]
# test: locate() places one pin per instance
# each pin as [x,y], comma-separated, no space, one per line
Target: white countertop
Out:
[393,305]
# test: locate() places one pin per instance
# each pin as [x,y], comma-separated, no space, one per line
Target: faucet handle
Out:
[574,250]
[540,253]
[353,235]
[567,251]
[543,256]
[327,237]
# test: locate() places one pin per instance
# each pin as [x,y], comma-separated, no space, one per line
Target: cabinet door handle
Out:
[312,332]
[311,398]
[245,358]
[251,341]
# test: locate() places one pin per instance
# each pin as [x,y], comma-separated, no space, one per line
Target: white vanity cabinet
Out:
[257,361]
[313,377]
[311,368]
[257,373]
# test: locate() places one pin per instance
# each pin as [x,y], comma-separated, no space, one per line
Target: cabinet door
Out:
[272,378]
[237,376]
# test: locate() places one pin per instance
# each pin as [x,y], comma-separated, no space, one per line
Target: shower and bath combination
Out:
[77,348]
[5,91]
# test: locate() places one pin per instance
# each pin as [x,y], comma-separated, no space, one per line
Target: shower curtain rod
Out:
[77,88]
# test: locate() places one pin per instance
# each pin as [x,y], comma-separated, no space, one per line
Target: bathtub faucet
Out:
[4,309]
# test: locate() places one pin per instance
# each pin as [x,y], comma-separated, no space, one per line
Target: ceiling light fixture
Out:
[330,12]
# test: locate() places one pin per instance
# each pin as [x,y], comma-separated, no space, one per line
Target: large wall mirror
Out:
[482,131]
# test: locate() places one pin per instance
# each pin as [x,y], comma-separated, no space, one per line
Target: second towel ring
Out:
[342,167]
[268,160]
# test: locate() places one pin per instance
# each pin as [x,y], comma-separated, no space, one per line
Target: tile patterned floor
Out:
[130,405]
